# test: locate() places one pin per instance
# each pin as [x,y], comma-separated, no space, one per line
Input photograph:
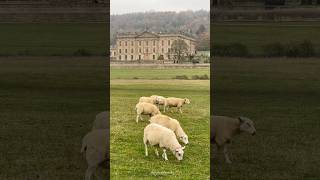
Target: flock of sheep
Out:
[162,130]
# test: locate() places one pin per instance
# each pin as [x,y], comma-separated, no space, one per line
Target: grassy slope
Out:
[127,150]
[47,106]
[255,36]
[52,39]
[282,97]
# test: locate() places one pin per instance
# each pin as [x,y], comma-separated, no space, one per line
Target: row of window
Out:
[139,57]
[140,51]
[146,42]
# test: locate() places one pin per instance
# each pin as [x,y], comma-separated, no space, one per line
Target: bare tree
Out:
[179,50]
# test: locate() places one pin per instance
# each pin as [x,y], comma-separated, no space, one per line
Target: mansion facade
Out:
[147,46]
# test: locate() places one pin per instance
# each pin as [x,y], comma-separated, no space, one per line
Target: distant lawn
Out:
[52,39]
[145,73]
[282,97]
[126,146]
[256,35]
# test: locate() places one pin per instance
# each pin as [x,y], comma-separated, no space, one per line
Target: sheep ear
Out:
[241,119]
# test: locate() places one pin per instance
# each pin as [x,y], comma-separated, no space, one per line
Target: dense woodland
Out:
[192,23]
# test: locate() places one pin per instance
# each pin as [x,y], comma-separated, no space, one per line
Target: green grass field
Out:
[127,150]
[52,38]
[282,97]
[256,35]
[47,106]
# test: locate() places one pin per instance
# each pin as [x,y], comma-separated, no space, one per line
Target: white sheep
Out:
[155,134]
[160,100]
[146,109]
[172,124]
[94,145]
[101,121]
[223,129]
[176,102]
[147,100]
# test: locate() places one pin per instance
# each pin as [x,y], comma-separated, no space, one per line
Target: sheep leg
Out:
[226,155]
[89,172]
[164,155]
[164,108]
[137,118]
[156,151]
[180,109]
[146,149]
[98,174]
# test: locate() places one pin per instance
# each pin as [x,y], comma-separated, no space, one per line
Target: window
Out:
[126,43]
[125,50]
[114,53]
[139,50]
[168,50]
[139,57]
[168,42]
[131,43]
[154,42]
[146,50]
[168,56]
[131,50]
[131,57]
[120,51]
[119,57]
[120,43]
[147,43]
[125,57]
[154,50]
[139,43]
[162,50]
[162,42]
[154,57]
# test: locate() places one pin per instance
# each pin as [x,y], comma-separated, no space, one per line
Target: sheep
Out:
[176,102]
[94,146]
[160,100]
[155,134]
[223,129]
[101,121]
[146,109]
[147,100]
[172,124]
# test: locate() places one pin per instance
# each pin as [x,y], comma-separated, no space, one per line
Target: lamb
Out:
[146,109]
[101,121]
[147,100]
[172,124]
[94,145]
[223,129]
[155,134]
[160,100]
[176,102]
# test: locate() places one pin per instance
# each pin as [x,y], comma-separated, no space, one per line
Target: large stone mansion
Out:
[147,46]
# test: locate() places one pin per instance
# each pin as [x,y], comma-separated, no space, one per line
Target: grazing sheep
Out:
[94,145]
[155,134]
[101,121]
[176,102]
[146,109]
[160,100]
[224,128]
[172,124]
[147,100]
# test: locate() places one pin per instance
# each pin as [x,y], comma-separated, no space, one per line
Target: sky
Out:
[129,6]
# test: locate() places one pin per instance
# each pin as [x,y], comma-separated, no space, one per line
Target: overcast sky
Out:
[129,6]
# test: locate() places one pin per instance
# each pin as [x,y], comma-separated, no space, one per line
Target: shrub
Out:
[203,77]
[194,77]
[233,50]
[181,77]
[82,52]
[274,50]
[302,49]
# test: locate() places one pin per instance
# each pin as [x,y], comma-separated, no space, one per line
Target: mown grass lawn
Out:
[47,105]
[126,146]
[282,97]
